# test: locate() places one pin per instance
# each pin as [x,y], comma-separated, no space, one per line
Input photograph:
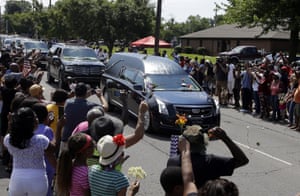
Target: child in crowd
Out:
[105,178]
[72,169]
[43,129]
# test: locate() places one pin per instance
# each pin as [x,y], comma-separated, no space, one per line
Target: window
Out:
[128,74]
[139,79]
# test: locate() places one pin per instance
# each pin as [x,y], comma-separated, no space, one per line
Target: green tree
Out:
[12,7]
[78,17]
[173,30]
[196,23]
[57,24]
[270,15]
[124,20]
[20,23]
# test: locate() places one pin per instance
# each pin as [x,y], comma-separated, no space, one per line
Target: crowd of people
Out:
[49,144]
[71,146]
[266,89]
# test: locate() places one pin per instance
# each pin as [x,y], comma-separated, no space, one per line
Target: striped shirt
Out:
[80,182]
[106,183]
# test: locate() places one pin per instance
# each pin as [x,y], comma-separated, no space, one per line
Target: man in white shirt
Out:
[230,80]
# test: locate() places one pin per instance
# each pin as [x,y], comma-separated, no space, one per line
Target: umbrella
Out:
[149,42]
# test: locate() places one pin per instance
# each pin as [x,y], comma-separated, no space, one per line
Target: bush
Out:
[178,49]
[188,50]
[202,51]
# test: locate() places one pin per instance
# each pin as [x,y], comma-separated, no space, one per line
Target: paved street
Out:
[4,180]
[272,148]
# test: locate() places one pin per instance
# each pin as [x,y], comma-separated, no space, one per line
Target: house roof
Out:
[233,31]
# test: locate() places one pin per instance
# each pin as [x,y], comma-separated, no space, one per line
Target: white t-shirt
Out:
[31,157]
[231,68]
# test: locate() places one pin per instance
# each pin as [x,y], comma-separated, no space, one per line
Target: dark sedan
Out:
[167,89]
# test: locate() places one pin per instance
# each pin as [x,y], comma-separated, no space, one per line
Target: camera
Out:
[51,116]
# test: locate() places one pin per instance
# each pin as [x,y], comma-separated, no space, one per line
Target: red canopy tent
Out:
[149,42]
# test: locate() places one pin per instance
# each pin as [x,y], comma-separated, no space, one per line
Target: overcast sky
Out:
[180,10]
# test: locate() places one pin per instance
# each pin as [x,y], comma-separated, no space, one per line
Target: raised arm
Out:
[50,154]
[139,129]
[186,168]
[238,155]
[59,129]
[102,99]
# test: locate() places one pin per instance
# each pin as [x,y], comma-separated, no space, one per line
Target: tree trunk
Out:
[110,47]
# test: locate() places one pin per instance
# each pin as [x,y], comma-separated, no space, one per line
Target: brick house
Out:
[227,36]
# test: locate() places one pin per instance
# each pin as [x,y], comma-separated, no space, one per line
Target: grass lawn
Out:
[170,51]
[191,56]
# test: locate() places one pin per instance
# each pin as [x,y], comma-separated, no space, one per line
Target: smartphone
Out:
[51,116]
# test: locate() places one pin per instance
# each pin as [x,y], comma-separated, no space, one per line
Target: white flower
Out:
[137,172]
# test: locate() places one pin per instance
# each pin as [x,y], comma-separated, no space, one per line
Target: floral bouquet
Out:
[181,121]
[137,173]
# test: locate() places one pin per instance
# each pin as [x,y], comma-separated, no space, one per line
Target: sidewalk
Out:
[4,180]
[283,121]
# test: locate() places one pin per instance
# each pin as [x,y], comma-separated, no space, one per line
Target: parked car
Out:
[165,86]
[242,53]
[74,63]
[7,43]
[41,47]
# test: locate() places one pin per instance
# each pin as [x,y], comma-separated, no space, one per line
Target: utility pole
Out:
[157,27]
[216,9]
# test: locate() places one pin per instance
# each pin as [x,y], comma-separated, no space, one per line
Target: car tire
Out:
[50,79]
[152,126]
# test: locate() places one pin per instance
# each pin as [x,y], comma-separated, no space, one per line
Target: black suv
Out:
[165,86]
[73,63]
[242,53]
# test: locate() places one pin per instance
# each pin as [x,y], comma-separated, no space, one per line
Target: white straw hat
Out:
[110,148]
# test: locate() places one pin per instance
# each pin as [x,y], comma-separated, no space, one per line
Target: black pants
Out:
[246,98]
[237,97]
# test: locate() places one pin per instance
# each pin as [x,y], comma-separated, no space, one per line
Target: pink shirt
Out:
[275,88]
[83,126]
[80,181]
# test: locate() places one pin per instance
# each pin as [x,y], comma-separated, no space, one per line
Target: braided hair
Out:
[22,125]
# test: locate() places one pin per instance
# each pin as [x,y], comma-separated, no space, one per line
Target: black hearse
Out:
[166,87]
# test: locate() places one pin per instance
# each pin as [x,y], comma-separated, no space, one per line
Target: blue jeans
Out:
[291,109]
[275,107]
